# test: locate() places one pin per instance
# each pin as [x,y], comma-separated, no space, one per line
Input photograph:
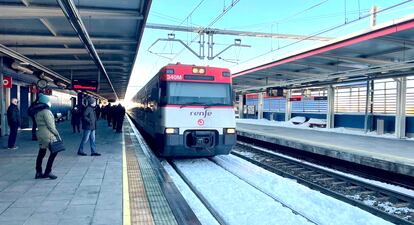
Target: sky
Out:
[299,17]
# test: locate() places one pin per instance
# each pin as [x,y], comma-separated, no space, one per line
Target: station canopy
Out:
[39,30]
[385,51]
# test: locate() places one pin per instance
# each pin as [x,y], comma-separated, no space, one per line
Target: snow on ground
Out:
[195,204]
[234,200]
[315,205]
[305,125]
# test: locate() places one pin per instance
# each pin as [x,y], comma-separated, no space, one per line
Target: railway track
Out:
[215,213]
[390,205]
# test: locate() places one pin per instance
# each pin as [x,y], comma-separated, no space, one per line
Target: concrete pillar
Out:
[400,115]
[330,114]
[241,100]
[288,108]
[3,120]
[260,106]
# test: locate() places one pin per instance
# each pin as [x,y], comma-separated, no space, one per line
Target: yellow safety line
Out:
[125,188]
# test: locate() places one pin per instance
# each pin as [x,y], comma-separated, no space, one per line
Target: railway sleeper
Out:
[352,187]
[325,179]
[336,183]
[317,175]
[401,204]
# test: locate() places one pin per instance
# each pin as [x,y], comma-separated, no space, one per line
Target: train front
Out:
[197,111]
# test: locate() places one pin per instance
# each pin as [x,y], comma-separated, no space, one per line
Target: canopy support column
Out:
[288,108]
[330,115]
[400,116]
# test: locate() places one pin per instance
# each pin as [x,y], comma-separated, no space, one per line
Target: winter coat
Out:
[13,115]
[47,131]
[89,118]
[76,116]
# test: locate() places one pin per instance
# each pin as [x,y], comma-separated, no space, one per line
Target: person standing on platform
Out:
[103,112]
[46,134]
[76,119]
[120,118]
[89,127]
[108,114]
[114,116]
[13,119]
[98,111]
[32,116]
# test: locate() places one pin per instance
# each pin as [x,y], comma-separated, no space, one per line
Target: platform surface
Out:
[88,189]
[389,154]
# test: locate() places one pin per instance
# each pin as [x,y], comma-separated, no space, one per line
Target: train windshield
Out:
[206,94]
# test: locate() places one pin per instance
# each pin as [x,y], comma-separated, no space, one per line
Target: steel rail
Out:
[327,181]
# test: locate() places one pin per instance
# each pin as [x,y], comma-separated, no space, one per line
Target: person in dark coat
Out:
[114,116]
[31,114]
[98,111]
[120,118]
[89,127]
[13,119]
[103,112]
[108,114]
[46,134]
[76,119]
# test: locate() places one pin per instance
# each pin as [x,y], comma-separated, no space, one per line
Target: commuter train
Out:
[187,111]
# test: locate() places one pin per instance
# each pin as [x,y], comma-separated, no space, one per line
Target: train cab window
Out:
[208,94]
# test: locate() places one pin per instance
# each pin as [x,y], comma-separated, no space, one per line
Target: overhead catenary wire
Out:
[225,10]
[329,29]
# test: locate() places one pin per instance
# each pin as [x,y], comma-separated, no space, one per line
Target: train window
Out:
[183,93]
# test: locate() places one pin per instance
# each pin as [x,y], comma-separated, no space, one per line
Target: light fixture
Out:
[44,77]
[171,36]
[237,41]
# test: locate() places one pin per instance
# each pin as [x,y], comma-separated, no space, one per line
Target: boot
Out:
[50,176]
[38,175]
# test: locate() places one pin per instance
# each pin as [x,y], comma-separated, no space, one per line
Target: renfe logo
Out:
[204,114]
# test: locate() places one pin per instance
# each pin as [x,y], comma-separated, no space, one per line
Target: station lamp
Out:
[237,41]
[171,36]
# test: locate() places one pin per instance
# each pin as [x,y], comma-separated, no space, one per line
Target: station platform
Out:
[118,187]
[392,155]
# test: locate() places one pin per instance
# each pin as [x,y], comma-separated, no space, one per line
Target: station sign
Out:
[47,91]
[85,85]
[7,82]
[295,99]
[320,98]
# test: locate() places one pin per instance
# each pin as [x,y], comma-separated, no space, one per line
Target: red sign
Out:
[33,88]
[47,91]
[295,99]
[83,87]
[7,82]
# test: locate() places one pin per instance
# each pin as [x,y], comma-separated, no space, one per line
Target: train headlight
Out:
[171,130]
[229,130]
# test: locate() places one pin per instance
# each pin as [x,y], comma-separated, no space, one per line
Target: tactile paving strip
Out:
[140,212]
[153,195]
